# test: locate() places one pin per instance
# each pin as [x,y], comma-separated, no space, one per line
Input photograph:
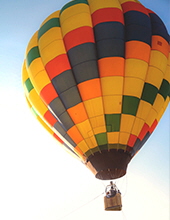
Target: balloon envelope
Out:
[97,77]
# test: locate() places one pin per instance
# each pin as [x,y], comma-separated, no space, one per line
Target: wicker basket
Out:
[113,203]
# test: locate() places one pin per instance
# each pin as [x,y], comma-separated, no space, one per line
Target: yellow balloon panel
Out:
[133,87]
[41,80]
[123,139]
[72,11]
[113,137]
[83,146]
[35,67]
[94,107]
[48,37]
[85,129]
[127,122]
[159,60]
[24,72]
[112,104]
[137,127]
[136,68]
[112,85]
[143,109]
[100,4]
[151,117]
[76,21]
[56,48]
[154,76]
[159,102]
[38,104]
[166,103]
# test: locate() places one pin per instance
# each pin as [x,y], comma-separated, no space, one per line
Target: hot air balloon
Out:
[97,76]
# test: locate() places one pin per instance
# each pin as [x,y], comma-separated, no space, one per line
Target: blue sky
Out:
[38,180]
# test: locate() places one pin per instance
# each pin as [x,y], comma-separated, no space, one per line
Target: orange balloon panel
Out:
[98,77]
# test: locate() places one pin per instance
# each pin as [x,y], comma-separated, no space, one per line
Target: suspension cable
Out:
[80,206]
[126,186]
[123,214]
